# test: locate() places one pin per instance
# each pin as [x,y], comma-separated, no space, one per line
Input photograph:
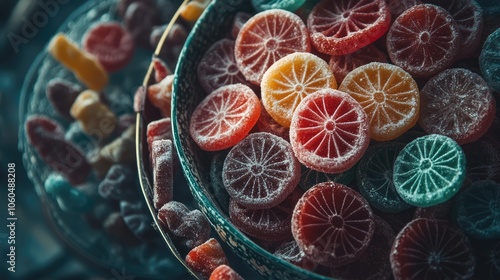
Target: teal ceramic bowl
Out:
[187,93]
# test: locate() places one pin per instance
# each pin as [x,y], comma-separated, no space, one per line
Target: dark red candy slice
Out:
[218,67]
[432,249]
[397,7]
[260,171]
[457,103]
[290,252]
[47,138]
[62,94]
[163,172]
[224,272]
[266,224]
[206,257]
[191,228]
[342,27]
[333,224]
[439,212]
[424,40]
[341,65]
[111,44]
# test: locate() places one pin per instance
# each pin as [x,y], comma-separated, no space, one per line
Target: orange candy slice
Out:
[389,96]
[289,80]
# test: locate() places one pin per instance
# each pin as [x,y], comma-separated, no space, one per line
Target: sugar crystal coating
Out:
[291,252]
[488,60]
[224,272]
[163,175]
[160,94]
[341,65]
[206,257]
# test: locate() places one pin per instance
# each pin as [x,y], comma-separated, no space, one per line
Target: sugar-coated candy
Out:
[329,131]
[488,60]
[332,224]
[175,41]
[397,7]
[341,65]
[266,123]
[111,44]
[477,210]
[160,94]
[56,184]
[291,252]
[115,226]
[163,174]
[191,228]
[267,37]
[138,219]
[429,170]
[47,137]
[342,27]
[310,177]
[94,116]
[161,69]
[260,171]
[139,20]
[423,40]
[490,7]
[193,10]
[86,68]
[457,103]
[438,212]
[431,249]
[216,184]
[288,5]
[224,117]
[61,95]
[160,129]
[206,257]
[118,184]
[224,272]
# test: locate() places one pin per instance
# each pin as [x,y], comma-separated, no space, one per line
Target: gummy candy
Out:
[163,177]
[206,257]
[224,272]
[118,184]
[61,94]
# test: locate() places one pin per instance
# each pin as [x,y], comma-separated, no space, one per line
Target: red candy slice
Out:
[271,224]
[163,172]
[224,117]
[267,37]
[332,224]
[341,65]
[161,69]
[342,27]
[329,131]
[260,171]
[218,67]
[224,272]
[457,103]
[423,40]
[206,257]
[111,44]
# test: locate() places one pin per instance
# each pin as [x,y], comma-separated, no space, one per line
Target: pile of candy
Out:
[359,139]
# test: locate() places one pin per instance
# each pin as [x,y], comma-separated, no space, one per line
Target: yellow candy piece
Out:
[85,66]
[194,9]
[95,118]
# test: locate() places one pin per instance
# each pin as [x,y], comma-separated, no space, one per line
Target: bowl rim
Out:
[202,199]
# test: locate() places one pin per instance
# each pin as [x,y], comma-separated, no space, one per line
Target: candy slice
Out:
[260,171]
[397,7]
[342,27]
[374,177]
[267,37]
[329,131]
[218,67]
[61,94]
[224,117]
[111,44]
[160,129]
[423,40]
[457,103]
[289,5]
[489,60]
[469,17]
[389,96]
[429,170]
[289,80]
[341,65]
[290,252]
[332,224]
[163,173]
[477,210]
[271,224]
[206,257]
[160,94]
[86,68]
[224,272]
[431,249]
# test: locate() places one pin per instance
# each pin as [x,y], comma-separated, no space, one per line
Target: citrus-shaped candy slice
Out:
[272,224]
[431,249]
[329,131]
[332,224]
[218,67]
[289,5]
[423,40]
[267,37]
[429,170]
[389,96]
[342,27]
[341,65]
[260,171]
[289,80]
[477,210]
[457,103]
[489,60]
[224,117]
[374,177]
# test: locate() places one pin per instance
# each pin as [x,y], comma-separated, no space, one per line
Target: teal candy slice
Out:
[429,170]
[477,210]
[375,175]
[289,5]
[489,60]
